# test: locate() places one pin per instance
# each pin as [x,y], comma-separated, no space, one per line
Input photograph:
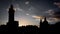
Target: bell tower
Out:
[11,14]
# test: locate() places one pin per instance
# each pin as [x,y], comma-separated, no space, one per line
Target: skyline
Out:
[30,11]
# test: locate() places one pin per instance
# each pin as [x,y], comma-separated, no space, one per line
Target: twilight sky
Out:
[28,12]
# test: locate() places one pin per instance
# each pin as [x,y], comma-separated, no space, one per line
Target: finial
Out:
[11,6]
[40,20]
[44,18]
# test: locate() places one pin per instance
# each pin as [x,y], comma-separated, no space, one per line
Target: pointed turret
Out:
[40,22]
[11,7]
[45,21]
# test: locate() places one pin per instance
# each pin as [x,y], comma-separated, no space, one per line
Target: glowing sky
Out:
[28,12]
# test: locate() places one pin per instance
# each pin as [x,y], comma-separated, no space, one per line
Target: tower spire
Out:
[45,19]
[11,6]
[40,22]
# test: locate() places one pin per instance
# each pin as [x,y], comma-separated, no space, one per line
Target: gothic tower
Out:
[11,14]
[11,22]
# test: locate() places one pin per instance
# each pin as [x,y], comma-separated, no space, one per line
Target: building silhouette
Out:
[45,22]
[12,24]
[44,25]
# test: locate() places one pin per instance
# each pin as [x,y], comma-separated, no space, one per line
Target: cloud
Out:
[54,13]
[57,3]
[18,9]
[57,14]
[50,12]
[52,19]
[27,14]
[27,2]
[37,17]
[54,16]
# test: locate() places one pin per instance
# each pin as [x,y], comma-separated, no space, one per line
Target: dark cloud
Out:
[54,13]
[57,4]
[57,14]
